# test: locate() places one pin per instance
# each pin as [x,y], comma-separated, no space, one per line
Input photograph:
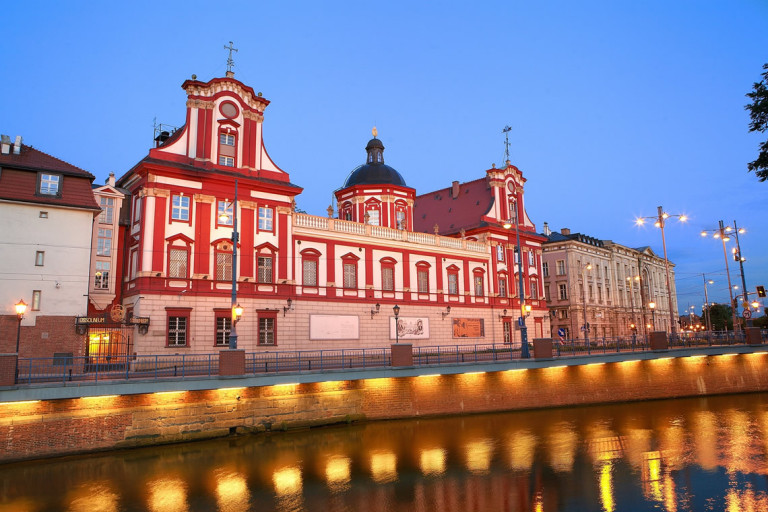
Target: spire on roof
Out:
[230,61]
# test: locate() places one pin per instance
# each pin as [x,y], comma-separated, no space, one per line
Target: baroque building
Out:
[604,288]
[209,207]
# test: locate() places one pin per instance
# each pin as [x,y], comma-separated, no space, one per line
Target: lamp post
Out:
[706,301]
[659,221]
[235,305]
[396,311]
[584,268]
[524,353]
[737,255]
[722,233]
[21,308]
[652,305]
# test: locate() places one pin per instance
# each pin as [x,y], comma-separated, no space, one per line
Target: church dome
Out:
[374,171]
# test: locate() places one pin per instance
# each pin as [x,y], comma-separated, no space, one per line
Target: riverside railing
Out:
[66,370]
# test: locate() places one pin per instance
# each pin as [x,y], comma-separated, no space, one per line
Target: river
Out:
[703,454]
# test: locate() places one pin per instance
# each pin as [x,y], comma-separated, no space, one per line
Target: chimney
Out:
[455,189]
[5,144]
[565,231]
[111,179]
[547,231]
[17,145]
[161,138]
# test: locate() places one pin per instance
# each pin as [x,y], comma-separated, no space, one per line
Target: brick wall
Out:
[58,427]
[49,334]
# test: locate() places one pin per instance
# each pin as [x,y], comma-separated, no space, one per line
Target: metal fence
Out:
[64,370]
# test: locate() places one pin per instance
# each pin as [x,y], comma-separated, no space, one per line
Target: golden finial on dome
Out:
[375,132]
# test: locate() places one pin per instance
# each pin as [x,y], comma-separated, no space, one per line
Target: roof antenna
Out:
[506,131]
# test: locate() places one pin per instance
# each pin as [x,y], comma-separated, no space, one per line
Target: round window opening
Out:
[228,109]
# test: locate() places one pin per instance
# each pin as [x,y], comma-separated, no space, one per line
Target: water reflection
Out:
[683,455]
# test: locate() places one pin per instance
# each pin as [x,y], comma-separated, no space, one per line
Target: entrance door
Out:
[108,348]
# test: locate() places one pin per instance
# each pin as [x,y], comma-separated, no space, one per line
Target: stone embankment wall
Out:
[54,427]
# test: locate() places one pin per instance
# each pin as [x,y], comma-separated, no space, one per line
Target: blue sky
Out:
[616,107]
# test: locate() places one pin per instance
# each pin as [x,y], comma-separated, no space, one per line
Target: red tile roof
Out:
[19,182]
[474,200]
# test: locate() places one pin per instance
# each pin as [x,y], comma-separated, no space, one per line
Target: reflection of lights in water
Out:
[652,475]
[337,473]
[92,497]
[737,452]
[522,447]
[670,499]
[479,455]
[745,500]
[232,494]
[167,495]
[383,467]
[562,445]
[287,481]
[704,430]
[538,502]
[433,461]
[606,487]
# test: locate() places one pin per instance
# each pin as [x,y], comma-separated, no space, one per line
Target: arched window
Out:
[222,251]
[179,250]
[227,146]
[349,269]
[453,279]
[265,263]
[388,274]
[309,267]
[478,279]
[422,276]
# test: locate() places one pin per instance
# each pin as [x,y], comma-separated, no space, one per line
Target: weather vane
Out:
[230,62]
[506,131]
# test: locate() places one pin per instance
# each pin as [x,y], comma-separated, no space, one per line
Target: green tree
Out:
[758,113]
[721,316]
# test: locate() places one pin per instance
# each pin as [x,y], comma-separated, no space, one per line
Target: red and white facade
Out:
[306,281]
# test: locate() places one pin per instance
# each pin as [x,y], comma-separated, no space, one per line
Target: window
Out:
[36,296]
[50,184]
[478,285]
[560,267]
[591,294]
[563,291]
[267,328]
[373,217]
[136,209]
[223,265]
[545,269]
[547,295]
[223,328]
[180,208]
[507,332]
[226,139]
[309,268]
[350,275]
[43,215]
[388,279]
[224,215]
[107,209]
[502,286]
[600,293]
[534,289]
[388,274]
[39,258]
[101,278]
[177,331]
[422,278]
[400,218]
[500,252]
[178,262]
[226,161]
[104,242]
[134,264]
[266,216]
[453,280]
[264,266]
[531,259]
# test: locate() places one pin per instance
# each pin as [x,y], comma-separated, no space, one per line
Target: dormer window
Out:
[227,139]
[227,161]
[227,147]
[49,184]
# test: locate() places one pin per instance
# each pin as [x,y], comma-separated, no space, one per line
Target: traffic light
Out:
[761,291]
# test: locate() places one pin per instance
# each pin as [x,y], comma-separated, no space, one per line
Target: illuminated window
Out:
[101,279]
[180,208]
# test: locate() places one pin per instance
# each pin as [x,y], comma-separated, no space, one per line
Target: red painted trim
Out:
[246,240]
[406,276]
[208,133]
[467,283]
[201,120]
[158,238]
[180,236]
[282,240]
[330,268]
[203,239]
[246,146]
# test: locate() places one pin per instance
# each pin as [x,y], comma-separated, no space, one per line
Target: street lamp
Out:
[583,269]
[652,305]
[524,353]
[738,257]
[722,233]
[706,301]
[21,308]
[659,221]
[396,311]
[235,239]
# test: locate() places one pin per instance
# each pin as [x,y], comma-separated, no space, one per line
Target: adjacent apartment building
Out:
[599,288]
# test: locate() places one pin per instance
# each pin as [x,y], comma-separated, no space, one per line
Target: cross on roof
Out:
[230,62]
